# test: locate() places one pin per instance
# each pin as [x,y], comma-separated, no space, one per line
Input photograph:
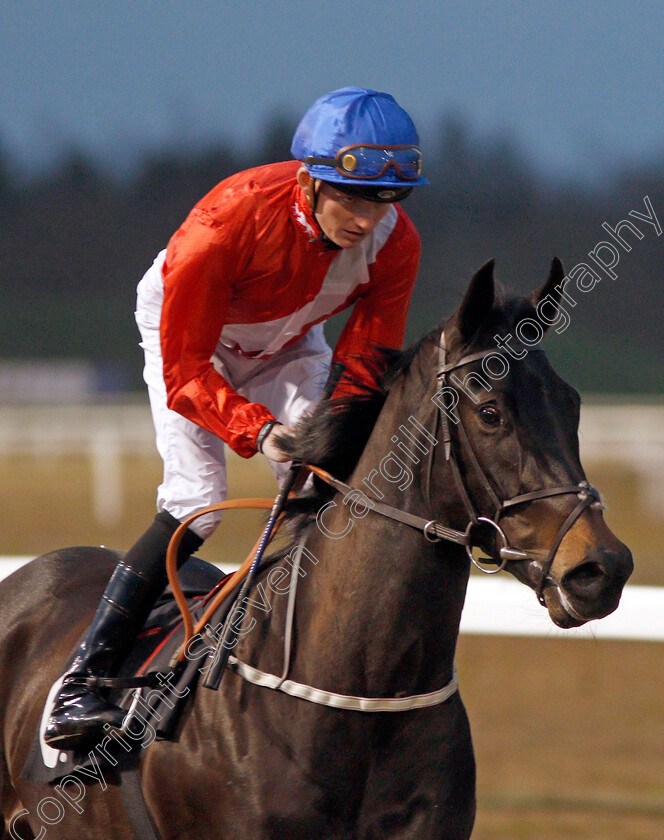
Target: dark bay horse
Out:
[463,433]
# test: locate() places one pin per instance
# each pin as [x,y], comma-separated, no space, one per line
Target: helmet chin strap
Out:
[324,238]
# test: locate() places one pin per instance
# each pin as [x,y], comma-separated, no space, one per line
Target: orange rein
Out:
[171,566]
[319,472]
[171,561]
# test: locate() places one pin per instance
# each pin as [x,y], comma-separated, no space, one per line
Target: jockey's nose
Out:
[366,217]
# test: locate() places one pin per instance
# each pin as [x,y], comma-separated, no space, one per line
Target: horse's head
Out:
[512,425]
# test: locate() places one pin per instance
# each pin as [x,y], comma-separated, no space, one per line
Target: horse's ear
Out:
[477,303]
[552,289]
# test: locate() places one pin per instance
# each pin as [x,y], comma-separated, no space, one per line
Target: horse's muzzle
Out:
[592,588]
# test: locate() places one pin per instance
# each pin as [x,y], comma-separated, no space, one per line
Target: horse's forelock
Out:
[508,311]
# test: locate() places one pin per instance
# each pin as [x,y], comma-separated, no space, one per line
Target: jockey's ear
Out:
[306,182]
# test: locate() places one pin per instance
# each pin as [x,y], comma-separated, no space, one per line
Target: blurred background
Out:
[540,122]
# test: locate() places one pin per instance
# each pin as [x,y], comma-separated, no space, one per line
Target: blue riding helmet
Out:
[360,139]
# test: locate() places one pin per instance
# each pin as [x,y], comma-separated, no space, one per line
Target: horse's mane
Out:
[334,436]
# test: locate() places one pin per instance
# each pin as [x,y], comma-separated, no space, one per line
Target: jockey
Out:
[231,318]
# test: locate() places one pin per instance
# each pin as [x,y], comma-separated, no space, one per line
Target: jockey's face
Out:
[343,218]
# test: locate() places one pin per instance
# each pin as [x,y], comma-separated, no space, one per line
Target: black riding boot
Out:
[80,711]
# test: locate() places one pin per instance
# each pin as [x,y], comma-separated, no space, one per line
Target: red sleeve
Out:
[202,261]
[379,316]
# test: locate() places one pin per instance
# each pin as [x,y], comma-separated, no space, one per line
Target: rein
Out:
[432,530]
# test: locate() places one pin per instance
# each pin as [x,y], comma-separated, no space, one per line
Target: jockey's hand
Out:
[270,448]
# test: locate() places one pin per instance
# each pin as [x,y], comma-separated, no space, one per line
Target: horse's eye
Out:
[489,415]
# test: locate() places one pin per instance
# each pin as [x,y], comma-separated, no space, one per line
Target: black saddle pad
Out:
[197,579]
[158,709]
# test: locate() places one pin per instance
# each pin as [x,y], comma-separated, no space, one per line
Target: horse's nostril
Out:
[590,581]
[600,576]
[585,573]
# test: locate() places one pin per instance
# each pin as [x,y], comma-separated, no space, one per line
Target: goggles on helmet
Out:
[366,162]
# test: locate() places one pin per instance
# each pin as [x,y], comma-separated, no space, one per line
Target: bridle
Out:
[435,531]
[587,495]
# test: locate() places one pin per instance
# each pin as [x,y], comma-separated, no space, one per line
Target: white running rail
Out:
[504,607]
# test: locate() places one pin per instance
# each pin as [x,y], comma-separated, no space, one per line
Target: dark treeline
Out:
[76,240]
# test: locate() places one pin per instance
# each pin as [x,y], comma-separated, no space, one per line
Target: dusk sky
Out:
[579,85]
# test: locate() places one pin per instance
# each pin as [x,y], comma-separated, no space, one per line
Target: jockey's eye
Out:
[489,415]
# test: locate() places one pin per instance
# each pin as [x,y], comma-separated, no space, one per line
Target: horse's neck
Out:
[383,604]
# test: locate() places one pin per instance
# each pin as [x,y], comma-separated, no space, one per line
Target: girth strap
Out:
[136,806]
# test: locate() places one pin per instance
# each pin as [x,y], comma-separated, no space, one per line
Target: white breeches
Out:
[288,383]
